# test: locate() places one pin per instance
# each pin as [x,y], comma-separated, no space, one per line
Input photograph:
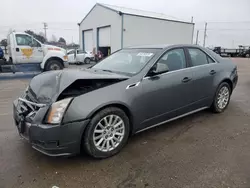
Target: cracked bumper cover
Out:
[51,140]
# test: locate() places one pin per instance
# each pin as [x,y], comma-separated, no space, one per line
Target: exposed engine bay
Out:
[80,87]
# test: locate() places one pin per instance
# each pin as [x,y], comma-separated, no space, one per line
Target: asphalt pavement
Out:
[202,150]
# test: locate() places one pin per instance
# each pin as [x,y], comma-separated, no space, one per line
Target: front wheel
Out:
[53,65]
[107,133]
[222,98]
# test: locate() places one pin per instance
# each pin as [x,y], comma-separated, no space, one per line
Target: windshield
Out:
[128,61]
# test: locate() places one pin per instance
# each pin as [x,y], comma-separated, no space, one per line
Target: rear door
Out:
[204,70]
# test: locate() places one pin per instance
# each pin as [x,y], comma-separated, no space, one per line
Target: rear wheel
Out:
[87,60]
[53,65]
[222,98]
[107,133]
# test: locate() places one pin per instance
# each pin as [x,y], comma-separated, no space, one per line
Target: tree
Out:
[36,36]
[53,38]
[62,40]
[42,34]
[3,42]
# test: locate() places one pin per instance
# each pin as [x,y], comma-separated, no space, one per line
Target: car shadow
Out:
[171,131]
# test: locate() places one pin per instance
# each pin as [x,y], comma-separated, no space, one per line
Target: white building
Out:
[111,27]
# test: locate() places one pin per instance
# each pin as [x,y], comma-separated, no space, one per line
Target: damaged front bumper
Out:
[66,64]
[51,140]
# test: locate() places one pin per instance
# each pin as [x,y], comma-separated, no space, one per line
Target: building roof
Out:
[141,13]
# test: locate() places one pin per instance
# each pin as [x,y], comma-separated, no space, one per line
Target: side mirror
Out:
[158,68]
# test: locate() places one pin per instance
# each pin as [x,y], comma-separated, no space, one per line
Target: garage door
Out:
[88,40]
[104,37]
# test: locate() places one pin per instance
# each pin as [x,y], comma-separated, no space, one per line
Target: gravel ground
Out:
[202,150]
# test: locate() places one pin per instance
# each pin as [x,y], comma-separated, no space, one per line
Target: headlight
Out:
[57,110]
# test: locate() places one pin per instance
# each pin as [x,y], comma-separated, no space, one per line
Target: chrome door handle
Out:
[186,79]
[212,72]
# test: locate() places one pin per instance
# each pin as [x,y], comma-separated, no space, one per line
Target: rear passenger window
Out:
[173,60]
[210,60]
[198,57]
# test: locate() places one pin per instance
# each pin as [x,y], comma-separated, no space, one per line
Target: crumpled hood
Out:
[47,86]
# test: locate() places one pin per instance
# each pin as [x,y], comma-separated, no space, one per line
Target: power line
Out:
[217,29]
[226,22]
[45,29]
[205,35]
[197,36]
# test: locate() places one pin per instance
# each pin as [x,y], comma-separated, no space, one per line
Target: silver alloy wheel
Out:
[223,97]
[54,67]
[108,133]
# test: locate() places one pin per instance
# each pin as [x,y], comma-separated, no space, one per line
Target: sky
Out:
[228,20]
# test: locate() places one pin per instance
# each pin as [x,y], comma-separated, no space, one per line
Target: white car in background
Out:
[78,56]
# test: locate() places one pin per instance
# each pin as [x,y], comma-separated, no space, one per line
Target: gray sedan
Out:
[99,108]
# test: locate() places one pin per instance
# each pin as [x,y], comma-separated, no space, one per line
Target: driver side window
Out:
[173,60]
[36,44]
[81,52]
[23,40]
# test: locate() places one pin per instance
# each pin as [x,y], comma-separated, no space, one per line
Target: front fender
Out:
[50,54]
[84,106]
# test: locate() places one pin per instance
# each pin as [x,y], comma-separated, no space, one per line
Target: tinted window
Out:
[174,60]
[210,60]
[197,57]
[36,44]
[71,52]
[23,40]
[81,52]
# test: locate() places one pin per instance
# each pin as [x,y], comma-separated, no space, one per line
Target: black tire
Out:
[53,65]
[88,141]
[87,60]
[215,107]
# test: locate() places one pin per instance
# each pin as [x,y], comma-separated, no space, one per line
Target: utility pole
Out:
[45,29]
[197,37]
[205,35]
[192,19]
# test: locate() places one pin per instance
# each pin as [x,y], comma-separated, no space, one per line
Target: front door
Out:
[167,95]
[71,56]
[23,51]
[80,56]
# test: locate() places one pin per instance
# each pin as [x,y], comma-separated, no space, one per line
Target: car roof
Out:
[162,46]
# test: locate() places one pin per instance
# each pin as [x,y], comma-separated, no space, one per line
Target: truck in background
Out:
[242,51]
[26,54]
